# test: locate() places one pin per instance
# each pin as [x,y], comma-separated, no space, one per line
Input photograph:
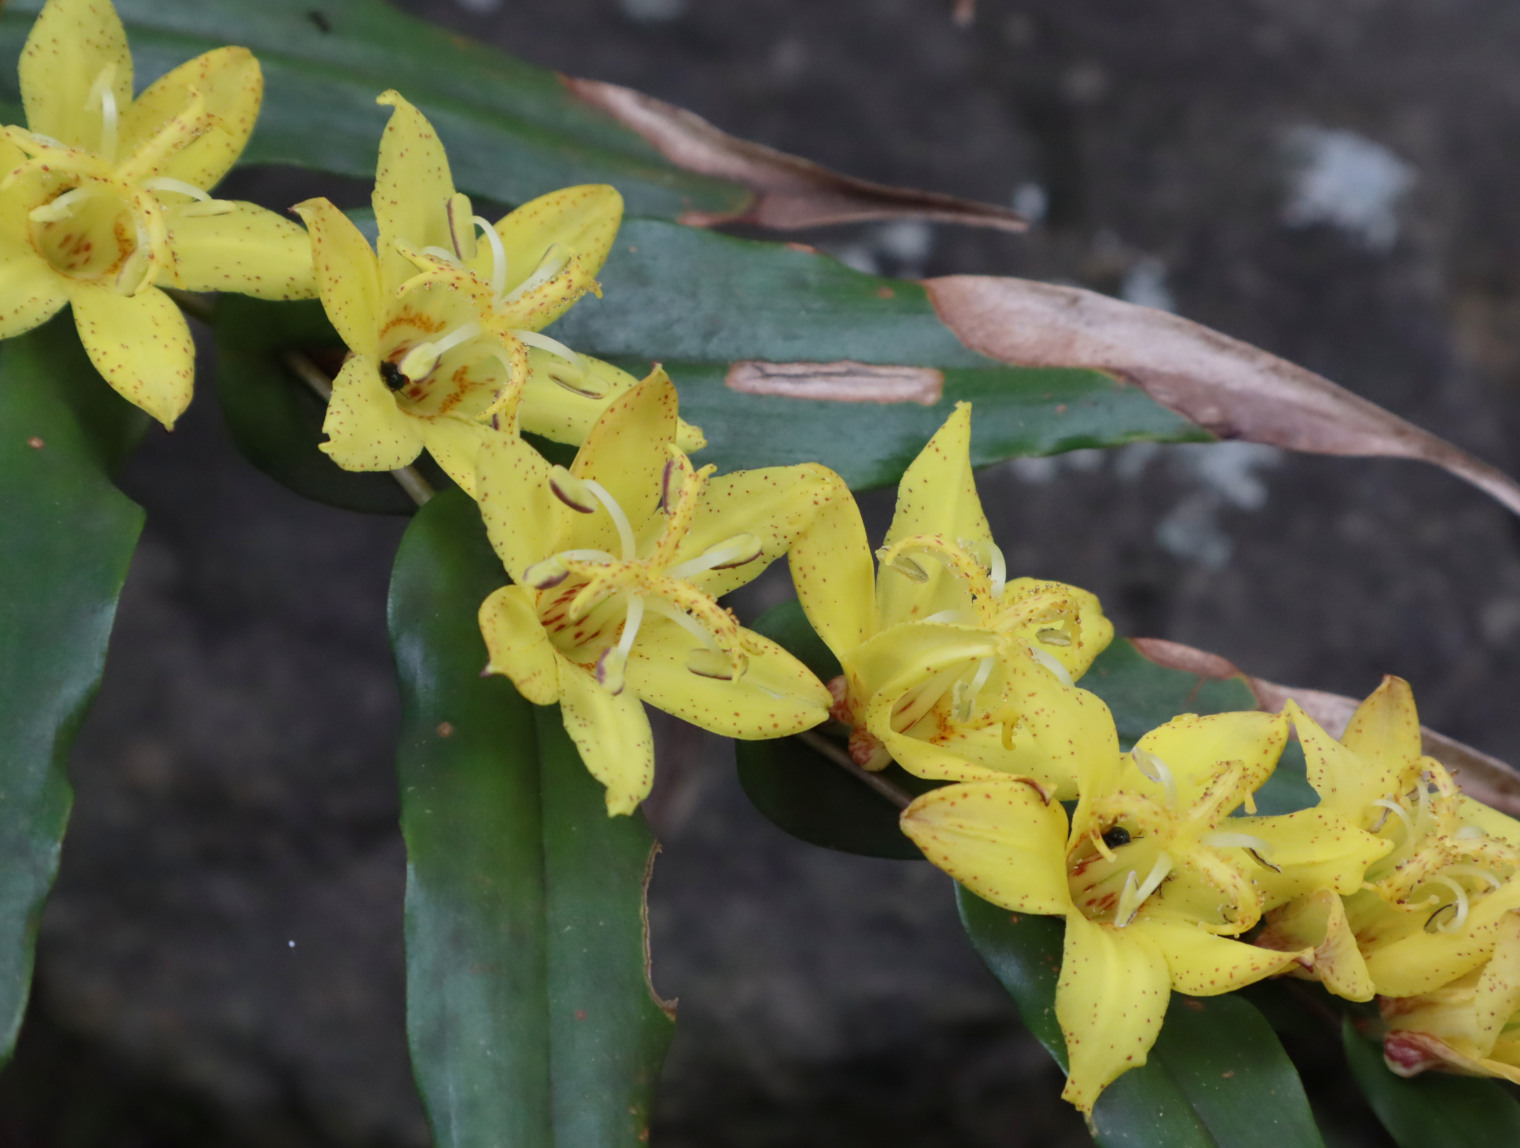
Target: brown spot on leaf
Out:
[842,382]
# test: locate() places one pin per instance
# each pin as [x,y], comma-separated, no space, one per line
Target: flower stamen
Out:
[102,91]
[552,263]
[1156,770]
[1134,895]
[422,360]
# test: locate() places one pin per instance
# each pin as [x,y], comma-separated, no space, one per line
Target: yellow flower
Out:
[617,564]
[444,323]
[1471,1026]
[105,201]
[949,667]
[1432,909]
[1154,878]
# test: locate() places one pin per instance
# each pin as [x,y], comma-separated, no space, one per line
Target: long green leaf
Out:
[513,131]
[1432,1110]
[66,536]
[530,1016]
[1216,1078]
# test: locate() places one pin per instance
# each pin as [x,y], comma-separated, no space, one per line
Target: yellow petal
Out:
[412,190]
[1386,727]
[1032,597]
[31,292]
[231,85]
[896,661]
[1498,992]
[937,494]
[1313,848]
[1196,747]
[518,646]
[526,523]
[1317,922]
[346,275]
[1205,965]
[1347,783]
[141,345]
[1418,962]
[365,430]
[153,157]
[455,446]
[1110,1000]
[834,576]
[1491,821]
[577,224]
[248,250]
[612,733]
[626,453]
[775,504]
[776,696]
[68,49]
[1000,839]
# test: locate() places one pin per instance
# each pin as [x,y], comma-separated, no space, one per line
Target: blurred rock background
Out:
[1334,181]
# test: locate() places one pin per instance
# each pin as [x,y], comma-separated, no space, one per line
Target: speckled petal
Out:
[1498,993]
[1195,747]
[455,446]
[141,345]
[582,221]
[1204,965]
[524,520]
[412,190]
[71,43]
[626,452]
[249,250]
[231,84]
[1000,839]
[774,503]
[556,412]
[1110,1000]
[612,733]
[1386,727]
[1313,848]
[1318,922]
[1418,962]
[937,494]
[346,276]
[1347,783]
[517,645]
[365,429]
[31,292]
[776,696]
[834,576]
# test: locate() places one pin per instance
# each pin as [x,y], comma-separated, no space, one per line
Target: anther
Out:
[1053,637]
[736,551]
[707,663]
[461,221]
[903,565]
[542,575]
[572,491]
[552,263]
[422,360]
[672,481]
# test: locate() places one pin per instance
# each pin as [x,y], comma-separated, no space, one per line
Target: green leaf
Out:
[1216,1078]
[276,420]
[1433,1110]
[67,536]
[513,130]
[1143,695]
[699,302]
[530,1016]
[800,790]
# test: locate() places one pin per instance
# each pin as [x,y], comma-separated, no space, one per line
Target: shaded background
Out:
[221,961]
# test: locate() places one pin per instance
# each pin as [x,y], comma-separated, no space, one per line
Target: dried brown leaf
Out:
[1491,781]
[788,191]
[1228,387]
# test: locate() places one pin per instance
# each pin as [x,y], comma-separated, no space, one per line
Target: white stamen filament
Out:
[544,343]
[1461,903]
[612,665]
[1398,810]
[1134,895]
[736,551]
[1237,841]
[965,692]
[440,253]
[498,256]
[916,704]
[619,519]
[165,183]
[102,90]
[1156,769]
[997,570]
[549,266]
[422,360]
[60,207]
[1063,675]
[686,622]
[952,615]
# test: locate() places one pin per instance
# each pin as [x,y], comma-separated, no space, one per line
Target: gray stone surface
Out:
[1335,182]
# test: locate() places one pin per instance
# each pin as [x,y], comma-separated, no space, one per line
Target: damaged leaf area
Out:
[1230,388]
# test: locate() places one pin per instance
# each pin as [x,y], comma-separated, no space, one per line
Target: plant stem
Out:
[839,757]
[409,478]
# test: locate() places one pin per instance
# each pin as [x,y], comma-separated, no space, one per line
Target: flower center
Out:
[90,232]
[588,596]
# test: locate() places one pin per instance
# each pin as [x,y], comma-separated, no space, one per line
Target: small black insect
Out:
[1116,837]
[392,375]
[323,24]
